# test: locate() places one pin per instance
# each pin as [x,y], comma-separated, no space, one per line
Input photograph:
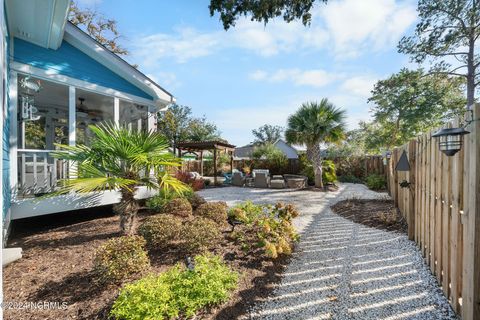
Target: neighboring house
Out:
[246,152]
[60,81]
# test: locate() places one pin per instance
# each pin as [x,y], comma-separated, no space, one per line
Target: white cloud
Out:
[345,27]
[368,24]
[186,44]
[360,85]
[312,78]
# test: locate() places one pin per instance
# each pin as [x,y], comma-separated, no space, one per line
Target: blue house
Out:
[57,80]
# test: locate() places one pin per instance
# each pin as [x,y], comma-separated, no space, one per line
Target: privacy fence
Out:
[440,199]
[357,166]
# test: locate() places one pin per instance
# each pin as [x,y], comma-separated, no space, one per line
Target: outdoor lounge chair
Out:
[261,180]
[238,179]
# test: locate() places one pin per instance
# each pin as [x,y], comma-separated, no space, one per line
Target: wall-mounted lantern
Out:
[402,164]
[450,140]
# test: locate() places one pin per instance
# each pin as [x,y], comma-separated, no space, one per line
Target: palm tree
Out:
[316,123]
[120,159]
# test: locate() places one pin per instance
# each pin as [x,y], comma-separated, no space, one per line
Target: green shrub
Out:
[157,202]
[178,292]
[266,226]
[200,234]
[160,230]
[120,257]
[328,172]
[216,211]
[179,207]
[350,179]
[375,182]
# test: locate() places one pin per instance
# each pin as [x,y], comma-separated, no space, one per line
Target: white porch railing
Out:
[39,172]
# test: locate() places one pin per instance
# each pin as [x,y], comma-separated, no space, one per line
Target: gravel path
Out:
[344,270]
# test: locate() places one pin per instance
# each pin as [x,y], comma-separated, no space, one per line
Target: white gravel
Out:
[341,269]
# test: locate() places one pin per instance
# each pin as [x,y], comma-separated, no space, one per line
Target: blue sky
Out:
[255,74]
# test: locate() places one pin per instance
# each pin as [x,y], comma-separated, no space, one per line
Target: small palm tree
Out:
[316,123]
[120,159]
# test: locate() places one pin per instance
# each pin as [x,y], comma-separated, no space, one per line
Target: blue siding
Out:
[6,133]
[69,61]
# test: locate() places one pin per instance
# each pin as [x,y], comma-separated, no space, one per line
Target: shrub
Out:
[216,211]
[266,226]
[157,202]
[120,257]
[350,179]
[328,172]
[375,182]
[160,230]
[195,200]
[178,292]
[200,234]
[273,158]
[178,207]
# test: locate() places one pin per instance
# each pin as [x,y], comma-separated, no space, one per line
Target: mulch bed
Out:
[57,265]
[371,213]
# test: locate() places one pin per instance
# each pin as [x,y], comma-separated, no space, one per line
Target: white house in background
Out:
[58,80]
[246,152]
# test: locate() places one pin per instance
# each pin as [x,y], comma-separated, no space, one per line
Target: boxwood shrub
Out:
[120,257]
[160,230]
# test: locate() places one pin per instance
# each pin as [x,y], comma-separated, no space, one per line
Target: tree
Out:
[411,102]
[448,31]
[316,123]
[262,10]
[103,30]
[353,145]
[275,160]
[121,159]
[267,134]
[174,124]
[199,129]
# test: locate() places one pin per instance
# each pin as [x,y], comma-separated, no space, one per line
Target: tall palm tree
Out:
[315,123]
[120,159]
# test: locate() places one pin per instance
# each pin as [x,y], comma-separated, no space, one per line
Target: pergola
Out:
[213,146]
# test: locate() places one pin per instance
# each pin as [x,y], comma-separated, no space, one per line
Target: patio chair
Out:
[261,180]
[238,179]
[228,178]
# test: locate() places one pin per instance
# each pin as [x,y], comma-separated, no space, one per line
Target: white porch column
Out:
[116,111]
[13,106]
[152,120]
[72,128]
[72,117]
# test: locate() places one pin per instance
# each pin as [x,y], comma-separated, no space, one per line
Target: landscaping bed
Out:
[380,214]
[58,260]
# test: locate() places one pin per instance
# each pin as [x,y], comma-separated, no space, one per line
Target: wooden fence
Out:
[441,207]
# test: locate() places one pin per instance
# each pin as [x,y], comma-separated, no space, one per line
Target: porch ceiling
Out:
[41,22]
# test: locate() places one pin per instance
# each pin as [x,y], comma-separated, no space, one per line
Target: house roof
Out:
[81,40]
[205,145]
[245,152]
[44,23]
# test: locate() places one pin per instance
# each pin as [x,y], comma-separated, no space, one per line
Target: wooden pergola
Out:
[214,146]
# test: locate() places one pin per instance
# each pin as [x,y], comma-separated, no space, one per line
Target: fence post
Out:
[411,191]
[471,221]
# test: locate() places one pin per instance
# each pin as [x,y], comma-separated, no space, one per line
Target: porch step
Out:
[10,254]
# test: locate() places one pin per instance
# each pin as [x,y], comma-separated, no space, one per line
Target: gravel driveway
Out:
[341,269]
